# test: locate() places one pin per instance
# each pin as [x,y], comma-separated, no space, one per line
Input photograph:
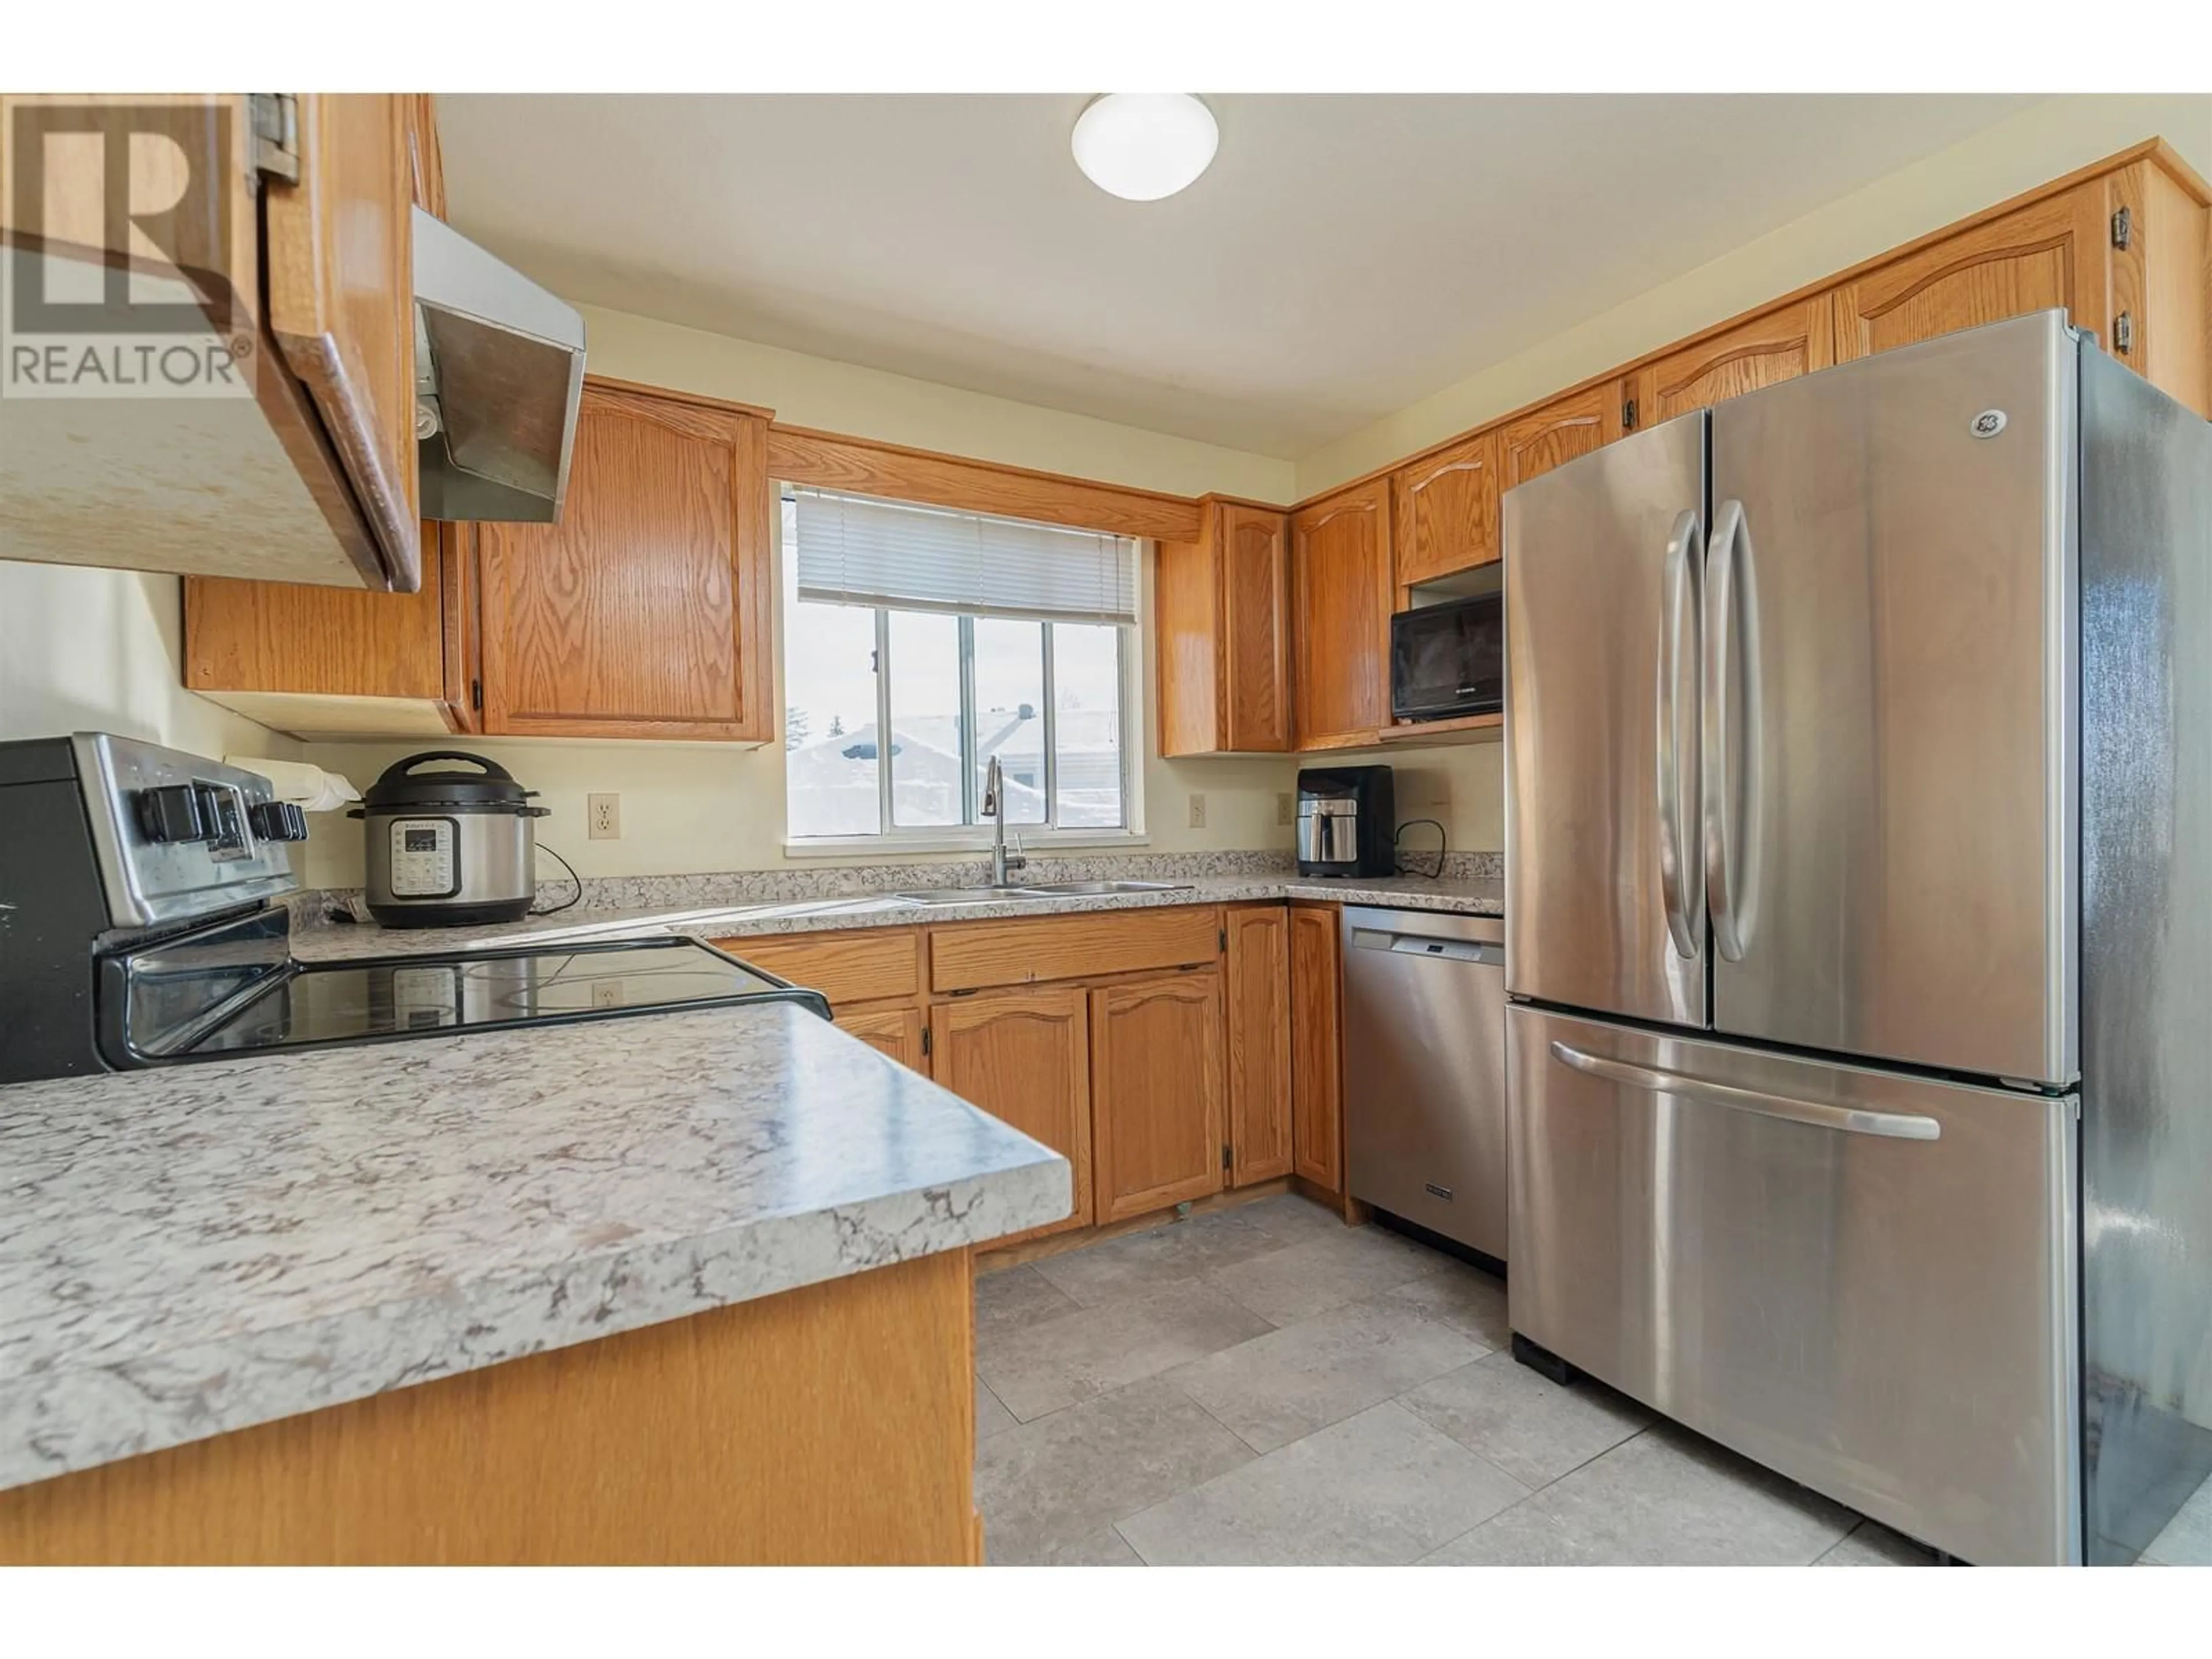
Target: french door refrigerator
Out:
[1859,935]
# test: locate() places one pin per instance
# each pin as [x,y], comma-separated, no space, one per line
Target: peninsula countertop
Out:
[1482,897]
[190,1249]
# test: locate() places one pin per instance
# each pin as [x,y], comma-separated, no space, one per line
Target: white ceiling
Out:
[1344,256]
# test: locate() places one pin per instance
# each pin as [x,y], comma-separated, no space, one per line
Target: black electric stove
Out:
[146,932]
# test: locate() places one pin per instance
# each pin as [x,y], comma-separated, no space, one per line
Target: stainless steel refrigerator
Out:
[1859,935]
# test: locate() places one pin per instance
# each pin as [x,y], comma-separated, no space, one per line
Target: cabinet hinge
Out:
[1628,415]
[2124,227]
[924,1042]
[476,693]
[2123,333]
[1225,1158]
[276,137]
[1224,938]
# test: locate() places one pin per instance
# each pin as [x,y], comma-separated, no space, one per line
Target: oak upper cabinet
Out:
[281,287]
[2159,227]
[1024,1057]
[896,1033]
[1559,432]
[645,611]
[1256,982]
[1781,345]
[1446,510]
[1341,586]
[1222,613]
[327,662]
[1316,1073]
[1156,1092]
[2051,252]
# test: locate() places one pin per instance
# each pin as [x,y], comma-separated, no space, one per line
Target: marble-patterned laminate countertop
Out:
[192,1249]
[325,943]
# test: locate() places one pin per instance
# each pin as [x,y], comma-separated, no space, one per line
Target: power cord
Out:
[1442,841]
[567,903]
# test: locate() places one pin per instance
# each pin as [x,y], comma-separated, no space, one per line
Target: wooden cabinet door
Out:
[1256,628]
[1156,1092]
[1257,981]
[894,1032]
[1341,584]
[338,258]
[2050,254]
[1446,507]
[1024,1057]
[1784,344]
[644,613]
[1317,1071]
[1558,432]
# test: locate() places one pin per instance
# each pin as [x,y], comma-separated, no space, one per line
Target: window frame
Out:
[1130,649]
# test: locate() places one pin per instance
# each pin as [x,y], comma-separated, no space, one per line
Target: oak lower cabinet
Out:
[1024,1057]
[1256,985]
[1221,610]
[894,1032]
[1156,1090]
[645,611]
[1316,1047]
[1342,585]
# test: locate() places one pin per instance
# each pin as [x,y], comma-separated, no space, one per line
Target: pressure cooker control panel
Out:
[425,863]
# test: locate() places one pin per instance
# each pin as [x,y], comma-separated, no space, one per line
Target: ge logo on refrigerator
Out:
[1989,424]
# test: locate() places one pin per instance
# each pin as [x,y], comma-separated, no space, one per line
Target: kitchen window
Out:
[919,642]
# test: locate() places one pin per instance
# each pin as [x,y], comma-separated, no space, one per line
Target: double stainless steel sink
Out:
[1043,890]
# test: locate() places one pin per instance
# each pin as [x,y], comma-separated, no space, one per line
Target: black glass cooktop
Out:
[213,999]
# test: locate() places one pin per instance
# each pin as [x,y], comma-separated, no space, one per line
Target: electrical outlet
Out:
[1286,808]
[1198,812]
[606,994]
[603,817]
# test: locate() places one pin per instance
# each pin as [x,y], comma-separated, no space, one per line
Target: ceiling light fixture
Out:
[1142,146]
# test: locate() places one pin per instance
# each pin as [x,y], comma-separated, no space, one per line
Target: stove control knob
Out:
[278,820]
[171,814]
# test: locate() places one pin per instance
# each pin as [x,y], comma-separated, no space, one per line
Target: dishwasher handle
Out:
[1422,945]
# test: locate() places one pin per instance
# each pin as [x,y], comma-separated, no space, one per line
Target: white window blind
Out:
[855,550]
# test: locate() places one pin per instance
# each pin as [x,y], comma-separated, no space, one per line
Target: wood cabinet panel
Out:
[2051,254]
[426,158]
[1784,344]
[1256,982]
[339,262]
[969,955]
[2161,282]
[1156,1092]
[1024,1057]
[866,965]
[833,1425]
[894,1032]
[1341,589]
[1558,432]
[645,611]
[1446,508]
[1316,1063]
[1222,626]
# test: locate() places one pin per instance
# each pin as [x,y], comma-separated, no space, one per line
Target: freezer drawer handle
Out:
[1896,1126]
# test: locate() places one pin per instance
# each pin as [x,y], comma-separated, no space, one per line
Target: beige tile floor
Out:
[1264,1385]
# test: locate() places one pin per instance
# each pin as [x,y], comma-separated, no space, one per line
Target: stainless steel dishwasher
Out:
[1424,1069]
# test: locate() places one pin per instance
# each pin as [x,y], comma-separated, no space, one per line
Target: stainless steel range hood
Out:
[499,367]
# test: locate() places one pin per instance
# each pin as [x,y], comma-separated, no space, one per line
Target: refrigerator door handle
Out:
[1894,1126]
[1681,864]
[1731,607]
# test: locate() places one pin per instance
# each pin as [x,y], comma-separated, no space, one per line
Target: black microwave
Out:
[1448,658]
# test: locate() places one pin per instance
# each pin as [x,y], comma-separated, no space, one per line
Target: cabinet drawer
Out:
[863,966]
[964,959]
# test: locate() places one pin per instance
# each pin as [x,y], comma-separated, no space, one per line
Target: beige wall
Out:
[2032,147]
[101,650]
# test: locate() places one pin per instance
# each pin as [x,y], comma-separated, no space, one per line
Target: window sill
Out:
[846,847]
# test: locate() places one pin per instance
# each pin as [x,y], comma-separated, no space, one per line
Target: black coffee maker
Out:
[1348,821]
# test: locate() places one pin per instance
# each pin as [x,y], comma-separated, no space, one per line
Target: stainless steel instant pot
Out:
[449,849]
